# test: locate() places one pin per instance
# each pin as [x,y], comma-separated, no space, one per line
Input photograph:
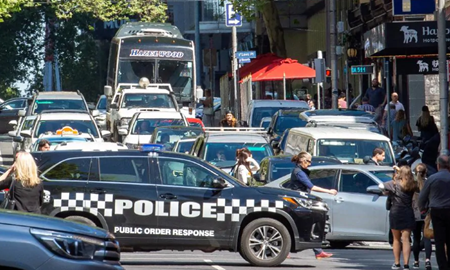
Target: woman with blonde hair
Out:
[426,125]
[400,126]
[25,186]
[401,216]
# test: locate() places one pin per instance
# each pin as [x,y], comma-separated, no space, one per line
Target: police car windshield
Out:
[59,104]
[144,100]
[82,126]
[224,154]
[353,151]
[147,126]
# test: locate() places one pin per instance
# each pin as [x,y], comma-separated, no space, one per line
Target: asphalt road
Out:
[375,256]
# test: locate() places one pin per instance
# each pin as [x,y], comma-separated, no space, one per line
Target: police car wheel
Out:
[81,220]
[265,242]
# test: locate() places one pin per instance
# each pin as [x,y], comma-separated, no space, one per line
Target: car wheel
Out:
[265,242]
[339,244]
[81,219]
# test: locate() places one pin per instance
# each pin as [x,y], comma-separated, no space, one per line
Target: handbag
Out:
[428,231]
[9,202]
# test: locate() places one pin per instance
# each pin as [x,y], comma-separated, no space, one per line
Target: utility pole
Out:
[443,84]
[333,40]
[198,49]
[234,68]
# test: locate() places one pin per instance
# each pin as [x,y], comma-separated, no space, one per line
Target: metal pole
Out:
[198,49]
[234,68]
[333,41]
[318,96]
[284,86]
[347,98]
[388,96]
[443,84]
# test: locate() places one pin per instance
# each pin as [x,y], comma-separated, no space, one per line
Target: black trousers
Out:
[441,227]
[419,240]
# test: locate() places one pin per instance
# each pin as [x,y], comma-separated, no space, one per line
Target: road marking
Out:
[214,265]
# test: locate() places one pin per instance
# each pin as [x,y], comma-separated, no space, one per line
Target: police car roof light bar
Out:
[64,111]
[163,86]
[152,147]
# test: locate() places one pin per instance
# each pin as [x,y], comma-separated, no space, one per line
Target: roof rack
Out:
[63,111]
[164,86]
[241,130]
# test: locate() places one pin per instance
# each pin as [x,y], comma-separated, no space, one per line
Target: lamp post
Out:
[351,56]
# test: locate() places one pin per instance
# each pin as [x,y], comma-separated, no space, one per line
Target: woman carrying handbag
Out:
[26,189]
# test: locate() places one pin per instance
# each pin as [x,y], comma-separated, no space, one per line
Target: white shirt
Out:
[243,174]
[398,106]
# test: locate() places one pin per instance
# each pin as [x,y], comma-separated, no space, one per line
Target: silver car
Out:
[358,211]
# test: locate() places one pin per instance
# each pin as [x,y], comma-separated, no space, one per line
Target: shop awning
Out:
[287,68]
[261,62]
[403,39]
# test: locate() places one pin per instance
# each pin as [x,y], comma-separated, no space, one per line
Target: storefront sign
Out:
[418,66]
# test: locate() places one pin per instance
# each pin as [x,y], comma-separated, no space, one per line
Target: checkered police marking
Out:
[88,202]
[221,210]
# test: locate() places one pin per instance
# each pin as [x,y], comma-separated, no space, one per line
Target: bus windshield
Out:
[178,73]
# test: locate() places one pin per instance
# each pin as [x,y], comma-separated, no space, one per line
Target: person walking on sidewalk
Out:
[435,195]
[300,181]
[401,215]
[208,109]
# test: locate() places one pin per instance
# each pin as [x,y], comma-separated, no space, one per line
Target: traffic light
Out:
[328,72]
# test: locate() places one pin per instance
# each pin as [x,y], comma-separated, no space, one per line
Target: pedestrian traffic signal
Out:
[328,72]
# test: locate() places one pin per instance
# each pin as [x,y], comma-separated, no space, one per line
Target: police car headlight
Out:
[124,121]
[69,245]
[305,203]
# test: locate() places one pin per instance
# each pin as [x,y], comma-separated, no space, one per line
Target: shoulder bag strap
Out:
[11,188]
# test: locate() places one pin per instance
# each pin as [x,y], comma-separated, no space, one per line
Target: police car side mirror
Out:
[219,183]
[123,131]
[26,133]
[113,106]
[105,134]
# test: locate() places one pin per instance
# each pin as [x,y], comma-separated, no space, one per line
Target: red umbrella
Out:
[260,63]
[285,69]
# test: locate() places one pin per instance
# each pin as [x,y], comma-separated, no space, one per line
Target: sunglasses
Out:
[309,161]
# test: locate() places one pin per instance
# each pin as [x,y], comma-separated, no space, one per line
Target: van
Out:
[347,145]
[258,109]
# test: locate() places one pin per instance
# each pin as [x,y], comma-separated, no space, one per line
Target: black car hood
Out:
[49,223]
[286,192]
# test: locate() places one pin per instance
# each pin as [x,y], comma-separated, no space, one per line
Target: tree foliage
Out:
[269,12]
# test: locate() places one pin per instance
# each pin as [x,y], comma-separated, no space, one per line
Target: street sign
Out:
[246,54]
[244,60]
[413,7]
[232,18]
[357,70]
[319,66]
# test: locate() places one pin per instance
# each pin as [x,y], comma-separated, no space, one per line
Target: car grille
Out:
[109,253]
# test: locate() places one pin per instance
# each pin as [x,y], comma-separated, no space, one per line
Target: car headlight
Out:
[124,121]
[68,245]
[305,203]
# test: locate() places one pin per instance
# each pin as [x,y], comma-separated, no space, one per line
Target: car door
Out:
[324,178]
[9,111]
[65,185]
[191,203]
[357,214]
[126,181]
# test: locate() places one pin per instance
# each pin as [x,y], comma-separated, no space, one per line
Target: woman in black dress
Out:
[401,216]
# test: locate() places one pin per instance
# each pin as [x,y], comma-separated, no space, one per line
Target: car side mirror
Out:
[107,90]
[12,133]
[374,190]
[95,113]
[25,133]
[257,178]
[91,106]
[219,183]
[21,113]
[13,123]
[199,93]
[123,131]
[18,139]
[113,106]
[105,133]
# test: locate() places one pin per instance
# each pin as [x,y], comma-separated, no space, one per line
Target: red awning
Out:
[288,67]
[257,64]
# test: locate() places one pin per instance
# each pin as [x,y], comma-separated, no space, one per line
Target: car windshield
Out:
[59,104]
[147,126]
[352,150]
[224,154]
[168,137]
[384,176]
[284,123]
[185,147]
[82,126]
[101,104]
[261,112]
[144,100]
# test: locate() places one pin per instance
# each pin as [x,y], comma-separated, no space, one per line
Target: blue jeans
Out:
[317,251]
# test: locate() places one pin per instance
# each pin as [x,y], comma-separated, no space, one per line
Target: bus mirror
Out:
[107,90]
[199,92]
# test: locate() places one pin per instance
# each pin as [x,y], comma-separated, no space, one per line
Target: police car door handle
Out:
[98,191]
[168,196]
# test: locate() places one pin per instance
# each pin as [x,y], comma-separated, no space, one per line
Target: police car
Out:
[154,200]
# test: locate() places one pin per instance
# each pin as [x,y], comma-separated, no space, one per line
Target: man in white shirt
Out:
[398,106]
